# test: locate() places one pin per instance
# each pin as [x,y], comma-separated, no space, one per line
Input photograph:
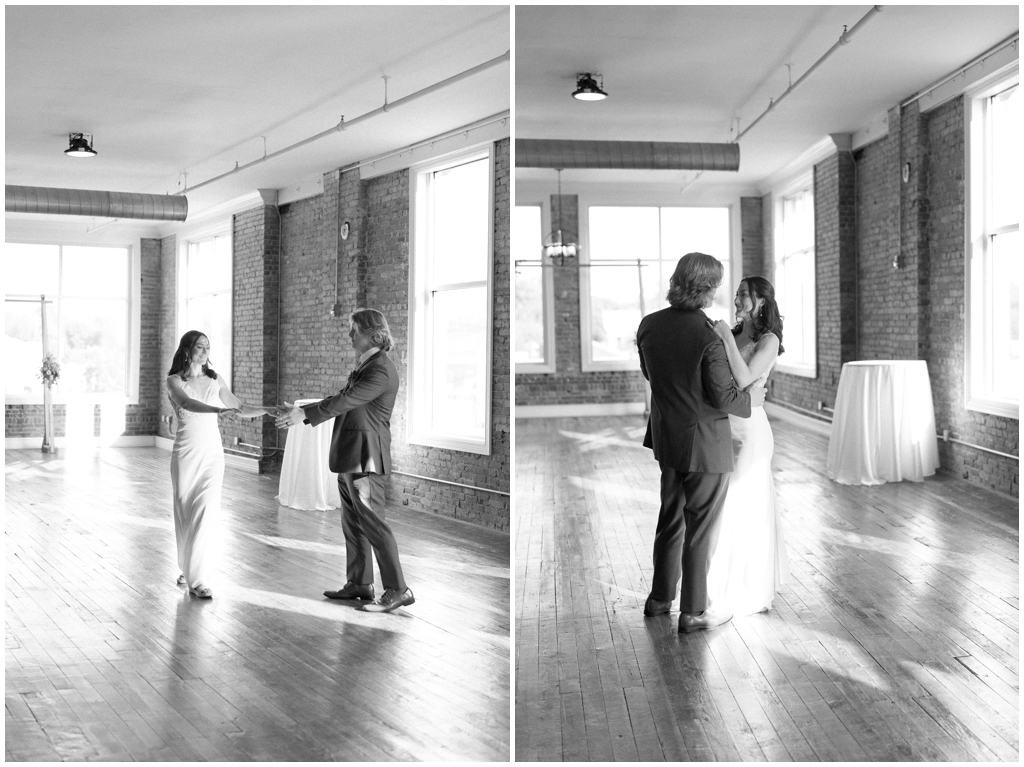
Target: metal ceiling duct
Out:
[85,202]
[625,155]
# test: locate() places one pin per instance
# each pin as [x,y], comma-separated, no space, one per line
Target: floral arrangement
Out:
[50,371]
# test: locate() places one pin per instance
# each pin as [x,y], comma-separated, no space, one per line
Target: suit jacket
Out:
[361,441]
[692,391]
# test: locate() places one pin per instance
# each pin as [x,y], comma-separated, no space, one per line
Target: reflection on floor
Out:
[895,639]
[107,659]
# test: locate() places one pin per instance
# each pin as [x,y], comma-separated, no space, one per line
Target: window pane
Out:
[526,245]
[23,346]
[209,265]
[95,272]
[1006,256]
[460,221]
[1006,131]
[459,344]
[701,230]
[31,270]
[211,315]
[93,346]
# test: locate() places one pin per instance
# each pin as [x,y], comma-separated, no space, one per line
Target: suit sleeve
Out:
[719,384]
[640,351]
[366,387]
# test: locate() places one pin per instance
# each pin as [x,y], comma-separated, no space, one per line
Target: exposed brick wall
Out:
[168,341]
[141,418]
[255,306]
[371,268]
[569,384]
[752,244]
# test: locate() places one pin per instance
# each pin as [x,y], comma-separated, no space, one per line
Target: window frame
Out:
[549,364]
[978,231]
[802,182]
[133,328]
[587,363]
[418,391]
[209,230]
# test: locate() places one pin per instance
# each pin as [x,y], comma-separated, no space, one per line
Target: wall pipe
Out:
[843,40]
[1012,40]
[343,124]
[632,155]
[446,482]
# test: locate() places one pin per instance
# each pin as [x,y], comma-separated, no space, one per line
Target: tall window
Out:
[534,290]
[88,320]
[207,281]
[450,303]
[794,276]
[994,251]
[618,291]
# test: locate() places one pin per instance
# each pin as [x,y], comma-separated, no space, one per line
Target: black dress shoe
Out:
[709,619]
[390,600]
[654,607]
[352,591]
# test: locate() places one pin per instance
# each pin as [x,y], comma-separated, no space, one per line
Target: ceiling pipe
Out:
[843,40]
[345,124]
[626,155]
[86,202]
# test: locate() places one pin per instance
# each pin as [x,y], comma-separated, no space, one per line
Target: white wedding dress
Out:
[749,563]
[197,475]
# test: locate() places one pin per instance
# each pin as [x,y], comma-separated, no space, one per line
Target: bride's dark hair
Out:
[182,363]
[768,320]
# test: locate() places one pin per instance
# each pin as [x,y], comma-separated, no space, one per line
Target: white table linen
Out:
[883,426]
[306,481]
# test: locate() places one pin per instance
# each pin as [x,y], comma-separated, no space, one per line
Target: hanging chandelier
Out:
[560,244]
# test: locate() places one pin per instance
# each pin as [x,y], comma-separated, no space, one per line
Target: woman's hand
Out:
[722,330]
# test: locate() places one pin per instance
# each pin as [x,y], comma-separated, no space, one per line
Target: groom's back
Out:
[688,429]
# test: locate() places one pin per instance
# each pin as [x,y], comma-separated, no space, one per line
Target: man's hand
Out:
[757,396]
[290,416]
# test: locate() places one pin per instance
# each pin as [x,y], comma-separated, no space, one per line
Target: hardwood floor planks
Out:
[895,638]
[107,659]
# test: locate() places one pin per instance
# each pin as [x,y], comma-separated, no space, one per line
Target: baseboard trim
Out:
[783,413]
[90,443]
[580,411]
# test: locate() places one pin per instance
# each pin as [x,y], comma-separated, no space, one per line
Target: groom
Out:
[361,455]
[692,391]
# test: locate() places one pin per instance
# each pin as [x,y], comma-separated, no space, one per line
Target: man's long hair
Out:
[372,321]
[696,275]
[181,363]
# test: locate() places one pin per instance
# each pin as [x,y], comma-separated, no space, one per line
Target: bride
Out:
[198,395]
[749,563]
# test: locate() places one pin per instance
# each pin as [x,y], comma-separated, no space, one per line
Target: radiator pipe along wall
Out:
[86,202]
[628,155]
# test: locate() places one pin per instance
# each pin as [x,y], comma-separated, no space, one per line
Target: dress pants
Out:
[687,534]
[362,520]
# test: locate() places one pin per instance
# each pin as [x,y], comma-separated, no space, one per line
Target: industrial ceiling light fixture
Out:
[587,88]
[80,145]
[560,245]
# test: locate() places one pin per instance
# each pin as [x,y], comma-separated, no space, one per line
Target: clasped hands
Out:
[285,415]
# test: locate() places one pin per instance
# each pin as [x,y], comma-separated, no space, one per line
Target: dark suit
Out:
[692,393]
[361,454]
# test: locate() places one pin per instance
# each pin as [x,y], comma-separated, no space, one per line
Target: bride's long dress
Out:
[197,475]
[749,563]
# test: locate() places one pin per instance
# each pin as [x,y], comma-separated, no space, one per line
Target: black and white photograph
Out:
[767,376]
[257,429]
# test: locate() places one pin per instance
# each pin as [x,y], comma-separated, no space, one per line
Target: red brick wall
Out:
[569,384]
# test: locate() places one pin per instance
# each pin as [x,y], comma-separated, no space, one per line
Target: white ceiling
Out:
[686,72]
[174,90]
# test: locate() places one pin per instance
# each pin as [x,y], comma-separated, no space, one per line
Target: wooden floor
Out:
[107,659]
[895,639]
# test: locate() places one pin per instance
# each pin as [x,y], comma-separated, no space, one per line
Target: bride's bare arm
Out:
[765,351]
[229,399]
[178,396]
